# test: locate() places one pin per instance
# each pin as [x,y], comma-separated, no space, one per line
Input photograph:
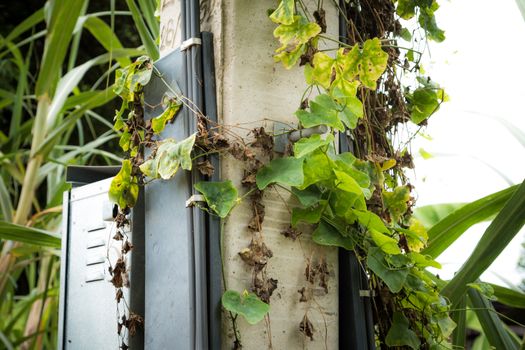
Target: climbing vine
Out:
[351,190]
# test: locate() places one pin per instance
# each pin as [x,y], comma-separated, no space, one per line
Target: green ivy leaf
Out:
[362,178]
[427,20]
[347,183]
[400,334]
[287,171]
[446,325]
[307,145]
[423,261]
[248,305]
[424,102]
[386,243]
[284,13]
[326,234]
[124,141]
[119,121]
[405,34]
[393,277]
[221,197]
[309,196]
[169,157]
[370,221]
[346,157]
[352,111]
[396,201]
[310,215]
[293,38]
[345,202]
[317,168]
[368,63]
[130,79]
[406,9]
[323,111]
[124,188]
[159,123]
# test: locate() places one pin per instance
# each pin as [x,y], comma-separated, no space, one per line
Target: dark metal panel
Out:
[356,326]
[169,286]
[82,175]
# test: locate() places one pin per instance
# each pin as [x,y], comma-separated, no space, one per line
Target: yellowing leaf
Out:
[124,141]
[149,168]
[368,63]
[169,157]
[293,38]
[418,240]
[159,123]
[130,79]
[388,164]
[284,13]
[124,189]
[321,71]
[396,201]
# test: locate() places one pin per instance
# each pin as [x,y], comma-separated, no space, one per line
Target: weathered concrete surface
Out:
[254,90]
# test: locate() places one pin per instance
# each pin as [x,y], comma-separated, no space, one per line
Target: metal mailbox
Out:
[88,309]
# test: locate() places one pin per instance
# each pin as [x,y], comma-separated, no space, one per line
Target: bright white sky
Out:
[481,65]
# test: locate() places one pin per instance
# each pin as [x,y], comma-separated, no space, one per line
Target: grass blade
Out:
[459,316]
[521,6]
[429,215]
[148,10]
[69,81]
[445,232]
[145,35]
[509,297]
[28,235]
[105,36]
[6,341]
[5,202]
[493,328]
[498,235]
[63,18]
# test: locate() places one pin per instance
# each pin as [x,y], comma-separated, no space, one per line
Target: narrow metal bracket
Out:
[366,293]
[194,199]
[186,44]
[284,134]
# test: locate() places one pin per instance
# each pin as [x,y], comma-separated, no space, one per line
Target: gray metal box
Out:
[88,308]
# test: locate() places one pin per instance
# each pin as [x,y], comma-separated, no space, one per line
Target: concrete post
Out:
[254,91]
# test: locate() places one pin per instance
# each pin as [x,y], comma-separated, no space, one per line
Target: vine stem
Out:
[236,333]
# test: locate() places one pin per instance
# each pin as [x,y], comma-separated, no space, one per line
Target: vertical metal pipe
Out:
[214,261]
[191,25]
[185,34]
[355,313]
